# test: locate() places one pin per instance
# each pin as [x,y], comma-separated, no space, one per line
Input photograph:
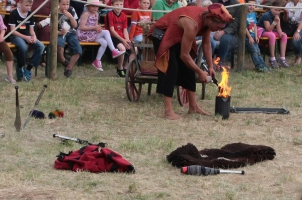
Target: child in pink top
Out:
[90,31]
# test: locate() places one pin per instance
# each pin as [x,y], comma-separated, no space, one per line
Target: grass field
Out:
[97,109]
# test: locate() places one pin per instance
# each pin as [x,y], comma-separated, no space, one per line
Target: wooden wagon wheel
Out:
[133,89]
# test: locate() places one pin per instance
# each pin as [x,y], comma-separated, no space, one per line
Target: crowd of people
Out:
[120,32]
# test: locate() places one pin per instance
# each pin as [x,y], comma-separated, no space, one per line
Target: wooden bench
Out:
[46,44]
[47,48]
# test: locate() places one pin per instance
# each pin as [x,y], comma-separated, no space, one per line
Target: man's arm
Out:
[190,31]
[206,44]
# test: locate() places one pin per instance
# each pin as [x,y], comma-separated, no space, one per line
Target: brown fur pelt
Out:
[229,156]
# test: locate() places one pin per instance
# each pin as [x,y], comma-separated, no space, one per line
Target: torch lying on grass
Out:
[200,170]
[85,142]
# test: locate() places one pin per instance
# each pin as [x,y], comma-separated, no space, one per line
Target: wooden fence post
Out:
[53,39]
[241,39]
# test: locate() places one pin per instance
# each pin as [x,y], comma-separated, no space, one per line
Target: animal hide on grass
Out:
[233,155]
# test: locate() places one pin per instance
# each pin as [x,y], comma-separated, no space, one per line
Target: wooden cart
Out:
[141,71]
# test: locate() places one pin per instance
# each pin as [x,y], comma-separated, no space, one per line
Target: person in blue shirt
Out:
[252,40]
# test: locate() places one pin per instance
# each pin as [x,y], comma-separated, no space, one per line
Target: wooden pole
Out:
[241,39]
[53,39]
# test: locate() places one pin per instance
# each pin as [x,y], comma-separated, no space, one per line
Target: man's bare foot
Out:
[171,115]
[197,110]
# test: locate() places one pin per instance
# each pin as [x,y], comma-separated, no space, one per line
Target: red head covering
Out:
[219,12]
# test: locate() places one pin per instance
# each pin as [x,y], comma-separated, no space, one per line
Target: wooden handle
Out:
[17,96]
[40,95]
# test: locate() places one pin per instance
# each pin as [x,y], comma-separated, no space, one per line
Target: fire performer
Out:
[173,38]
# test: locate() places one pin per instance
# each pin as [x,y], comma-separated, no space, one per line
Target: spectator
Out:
[136,31]
[7,52]
[252,39]
[291,26]
[127,4]
[269,26]
[78,7]
[90,31]
[23,36]
[117,25]
[165,5]
[176,49]
[67,33]
[43,33]
[228,36]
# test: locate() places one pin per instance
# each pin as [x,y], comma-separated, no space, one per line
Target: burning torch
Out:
[223,99]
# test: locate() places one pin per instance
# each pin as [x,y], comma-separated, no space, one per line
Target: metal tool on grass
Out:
[85,142]
[18,116]
[201,170]
[36,103]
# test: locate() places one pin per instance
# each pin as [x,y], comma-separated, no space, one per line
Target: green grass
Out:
[97,109]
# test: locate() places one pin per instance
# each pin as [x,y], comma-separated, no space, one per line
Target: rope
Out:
[165,11]
[34,12]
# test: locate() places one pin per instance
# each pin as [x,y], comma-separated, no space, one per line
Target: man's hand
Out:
[218,35]
[251,40]
[126,43]
[277,19]
[202,75]
[212,72]
[39,25]
[67,14]
[63,31]
[296,36]
[34,39]
[281,34]
[29,39]
[98,28]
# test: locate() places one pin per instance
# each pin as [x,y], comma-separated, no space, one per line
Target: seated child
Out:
[117,25]
[252,39]
[269,26]
[136,32]
[23,36]
[67,33]
[8,54]
[90,31]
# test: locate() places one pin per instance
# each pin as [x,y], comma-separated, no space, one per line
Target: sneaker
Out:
[283,63]
[98,65]
[117,53]
[262,68]
[274,64]
[26,74]
[10,80]
[67,72]
[120,72]
[19,74]
[65,63]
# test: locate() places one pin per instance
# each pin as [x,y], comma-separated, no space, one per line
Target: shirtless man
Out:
[177,49]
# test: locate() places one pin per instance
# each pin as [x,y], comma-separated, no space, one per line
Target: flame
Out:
[216,61]
[224,89]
